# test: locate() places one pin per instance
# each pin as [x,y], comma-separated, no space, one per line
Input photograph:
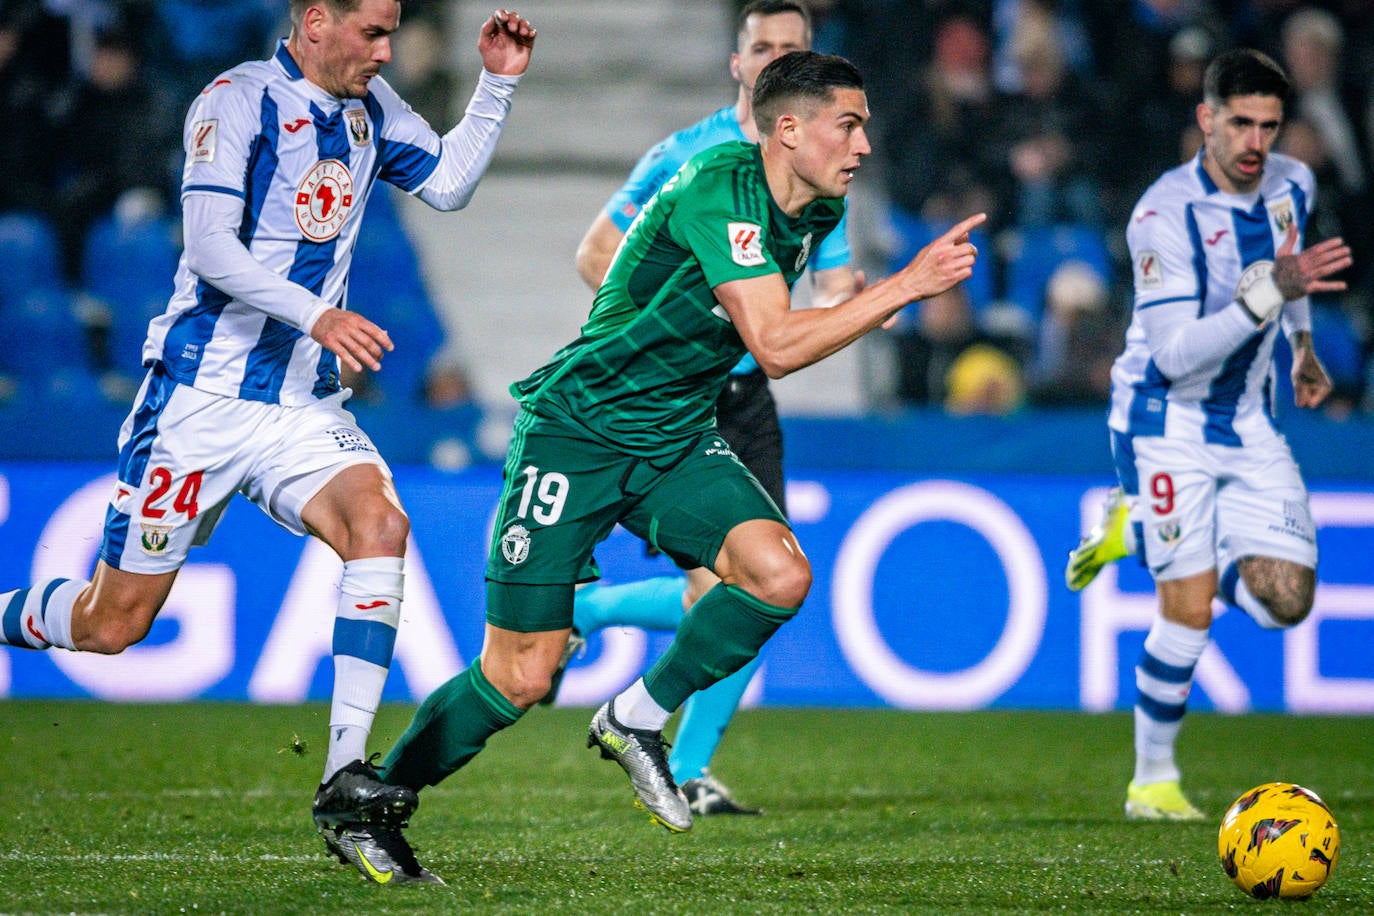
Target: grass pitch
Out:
[205,808]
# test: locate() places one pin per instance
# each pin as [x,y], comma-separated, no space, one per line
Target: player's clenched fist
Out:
[505,43]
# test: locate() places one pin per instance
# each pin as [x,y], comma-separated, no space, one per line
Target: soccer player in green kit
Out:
[619,428]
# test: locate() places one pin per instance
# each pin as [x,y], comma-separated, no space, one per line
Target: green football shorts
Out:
[564,493]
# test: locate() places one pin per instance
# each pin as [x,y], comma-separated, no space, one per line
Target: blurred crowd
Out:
[1052,116]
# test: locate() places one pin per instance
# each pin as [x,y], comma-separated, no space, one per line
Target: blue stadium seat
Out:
[1338,346]
[45,337]
[128,264]
[1033,253]
[384,283]
[915,232]
[28,256]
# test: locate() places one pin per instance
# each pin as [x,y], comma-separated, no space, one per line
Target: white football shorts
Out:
[1198,501]
[183,453]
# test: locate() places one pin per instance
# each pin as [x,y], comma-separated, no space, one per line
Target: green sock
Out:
[451,726]
[721,634]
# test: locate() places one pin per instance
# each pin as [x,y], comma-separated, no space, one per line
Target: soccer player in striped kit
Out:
[242,392]
[1219,505]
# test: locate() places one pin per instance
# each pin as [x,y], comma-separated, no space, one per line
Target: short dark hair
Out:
[297,8]
[800,75]
[772,8]
[1243,71]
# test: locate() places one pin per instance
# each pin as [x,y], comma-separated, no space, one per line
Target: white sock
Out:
[43,617]
[634,708]
[1164,678]
[365,625]
[1256,608]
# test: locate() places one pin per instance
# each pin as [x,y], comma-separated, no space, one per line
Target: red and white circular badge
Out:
[323,200]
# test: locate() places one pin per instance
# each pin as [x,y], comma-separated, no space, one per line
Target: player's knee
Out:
[783,581]
[393,529]
[1288,610]
[381,531]
[1287,595]
[521,684]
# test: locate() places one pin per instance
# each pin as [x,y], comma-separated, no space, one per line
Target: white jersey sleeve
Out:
[470,145]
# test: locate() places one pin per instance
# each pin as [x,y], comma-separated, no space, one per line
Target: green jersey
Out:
[653,355]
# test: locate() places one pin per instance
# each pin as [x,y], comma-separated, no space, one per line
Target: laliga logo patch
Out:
[323,200]
[155,538]
[1149,273]
[204,139]
[358,128]
[515,544]
[746,244]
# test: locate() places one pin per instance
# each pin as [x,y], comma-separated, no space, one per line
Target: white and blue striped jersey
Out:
[662,162]
[1190,243]
[301,163]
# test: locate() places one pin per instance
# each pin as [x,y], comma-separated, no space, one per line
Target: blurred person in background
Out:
[1052,136]
[984,381]
[1162,119]
[926,348]
[31,72]
[112,137]
[940,134]
[1079,336]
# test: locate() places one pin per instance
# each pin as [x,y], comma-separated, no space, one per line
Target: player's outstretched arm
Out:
[783,340]
[505,43]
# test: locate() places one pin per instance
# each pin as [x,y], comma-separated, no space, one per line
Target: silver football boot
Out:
[642,754]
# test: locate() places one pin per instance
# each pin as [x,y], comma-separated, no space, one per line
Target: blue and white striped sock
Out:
[364,638]
[1163,681]
[41,615]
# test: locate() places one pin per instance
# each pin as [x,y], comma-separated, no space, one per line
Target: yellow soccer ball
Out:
[1279,840]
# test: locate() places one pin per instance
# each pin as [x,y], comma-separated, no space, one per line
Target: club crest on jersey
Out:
[1282,211]
[746,243]
[323,200]
[204,139]
[154,539]
[358,128]
[1168,531]
[515,544]
[1149,272]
